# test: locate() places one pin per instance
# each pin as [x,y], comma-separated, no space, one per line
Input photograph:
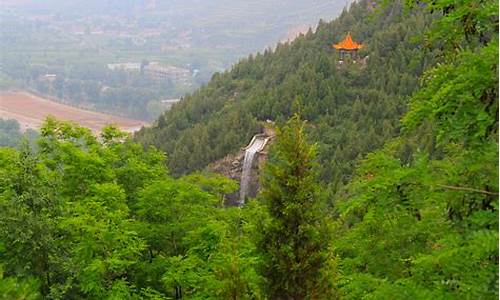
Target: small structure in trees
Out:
[348,49]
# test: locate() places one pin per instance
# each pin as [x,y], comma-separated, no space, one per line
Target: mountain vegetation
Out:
[354,108]
[387,191]
[295,244]
[82,218]
[420,219]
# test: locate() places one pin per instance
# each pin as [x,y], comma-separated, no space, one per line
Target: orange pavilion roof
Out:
[348,44]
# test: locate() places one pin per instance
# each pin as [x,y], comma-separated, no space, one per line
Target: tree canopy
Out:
[397,198]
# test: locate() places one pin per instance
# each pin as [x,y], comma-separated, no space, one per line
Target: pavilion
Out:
[347,47]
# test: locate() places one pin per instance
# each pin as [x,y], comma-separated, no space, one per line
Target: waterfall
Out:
[256,145]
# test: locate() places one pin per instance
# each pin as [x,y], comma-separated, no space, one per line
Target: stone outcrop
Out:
[231,166]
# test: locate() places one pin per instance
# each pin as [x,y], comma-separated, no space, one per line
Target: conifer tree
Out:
[295,241]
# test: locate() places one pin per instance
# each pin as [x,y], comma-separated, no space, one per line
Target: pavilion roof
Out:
[348,44]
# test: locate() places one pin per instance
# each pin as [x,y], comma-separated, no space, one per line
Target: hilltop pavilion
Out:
[347,46]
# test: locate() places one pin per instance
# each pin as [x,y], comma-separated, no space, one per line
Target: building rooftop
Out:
[347,44]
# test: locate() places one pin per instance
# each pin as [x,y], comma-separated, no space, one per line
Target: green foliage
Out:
[82,217]
[214,184]
[104,244]
[15,289]
[101,218]
[295,242]
[460,97]
[421,222]
[354,108]
[28,210]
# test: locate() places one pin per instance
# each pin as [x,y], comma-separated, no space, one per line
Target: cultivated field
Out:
[30,111]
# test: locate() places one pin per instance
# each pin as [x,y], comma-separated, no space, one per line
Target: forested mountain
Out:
[420,219]
[354,108]
[85,217]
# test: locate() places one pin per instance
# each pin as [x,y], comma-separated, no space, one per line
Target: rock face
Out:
[231,166]
[257,145]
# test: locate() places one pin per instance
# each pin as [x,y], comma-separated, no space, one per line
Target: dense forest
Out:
[354,108]
[382,182]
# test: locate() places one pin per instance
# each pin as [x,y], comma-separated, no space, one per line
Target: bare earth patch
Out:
[30,111]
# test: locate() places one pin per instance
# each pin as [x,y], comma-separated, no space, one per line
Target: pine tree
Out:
[295,241]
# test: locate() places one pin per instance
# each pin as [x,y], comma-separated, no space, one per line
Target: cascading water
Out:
[256,145]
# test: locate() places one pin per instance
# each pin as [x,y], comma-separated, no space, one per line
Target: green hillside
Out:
[86,217]
[353,109]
